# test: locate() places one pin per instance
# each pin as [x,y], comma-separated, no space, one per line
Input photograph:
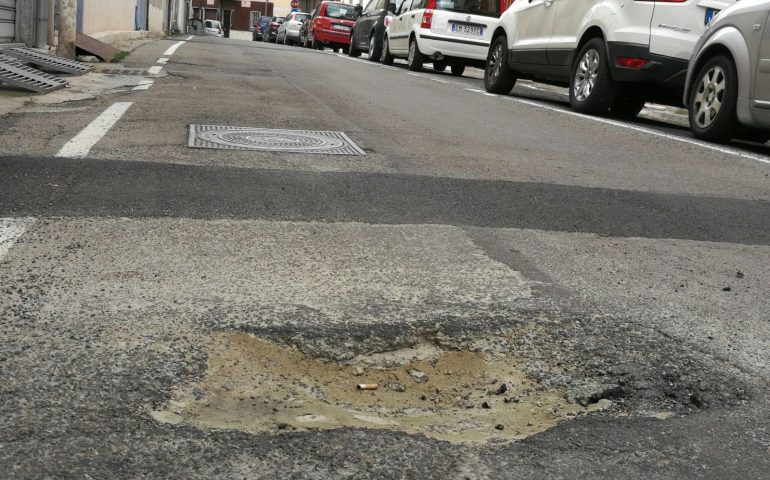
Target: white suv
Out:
[613,54]
[453,33]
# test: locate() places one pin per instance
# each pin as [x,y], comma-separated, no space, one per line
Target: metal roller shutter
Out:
[7,21]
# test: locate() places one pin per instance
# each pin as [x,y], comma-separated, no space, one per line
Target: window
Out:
[419,4]
[370,6]
[478,7]
[336,10]
[404,7]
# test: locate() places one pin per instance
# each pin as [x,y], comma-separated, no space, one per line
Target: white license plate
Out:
[344,28]
[475,30]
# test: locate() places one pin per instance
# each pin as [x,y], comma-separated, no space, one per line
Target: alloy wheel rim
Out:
[586,74]
[495,63]
[709,96]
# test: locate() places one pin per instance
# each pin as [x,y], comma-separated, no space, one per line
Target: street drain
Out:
[459,396]
[272,140]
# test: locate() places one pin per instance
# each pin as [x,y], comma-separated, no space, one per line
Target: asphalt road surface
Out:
[536,293]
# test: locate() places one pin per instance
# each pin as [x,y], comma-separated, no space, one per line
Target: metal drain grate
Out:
[18,75]
[50,62]
[272,140]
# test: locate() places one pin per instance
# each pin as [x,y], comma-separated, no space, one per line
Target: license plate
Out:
[710,14]
[344,28]
[475,30]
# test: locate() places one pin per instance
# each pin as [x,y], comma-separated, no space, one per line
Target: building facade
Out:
[237,16]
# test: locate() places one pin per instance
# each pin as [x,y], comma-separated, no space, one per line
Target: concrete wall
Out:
[118,15]
[156,15]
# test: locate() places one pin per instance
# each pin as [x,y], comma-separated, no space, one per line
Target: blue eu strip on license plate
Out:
[710,14]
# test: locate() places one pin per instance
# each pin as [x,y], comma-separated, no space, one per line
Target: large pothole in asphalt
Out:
[255,385]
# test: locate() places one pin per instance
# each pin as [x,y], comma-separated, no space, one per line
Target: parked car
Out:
[259,27]
[271,30]
[612,54]
[288,32]
[728,81]
[212,27]
[303,30]
[368,32]
[442,32]
[330,26]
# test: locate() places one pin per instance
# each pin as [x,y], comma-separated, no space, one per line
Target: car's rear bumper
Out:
[332,36]
[434,43]
[662,71]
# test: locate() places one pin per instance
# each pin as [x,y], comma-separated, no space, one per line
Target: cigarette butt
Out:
[367,386]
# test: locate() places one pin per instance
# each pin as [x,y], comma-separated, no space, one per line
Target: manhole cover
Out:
[272,140]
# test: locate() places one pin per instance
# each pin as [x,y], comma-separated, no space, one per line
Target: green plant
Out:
[119,57]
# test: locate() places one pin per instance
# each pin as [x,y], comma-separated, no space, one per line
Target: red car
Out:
[330,26]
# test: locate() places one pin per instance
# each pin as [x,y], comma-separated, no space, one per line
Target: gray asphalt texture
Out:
[641,264]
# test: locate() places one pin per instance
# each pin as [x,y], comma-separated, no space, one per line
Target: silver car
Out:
[728,81]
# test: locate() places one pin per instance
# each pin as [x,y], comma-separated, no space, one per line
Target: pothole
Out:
[460,396]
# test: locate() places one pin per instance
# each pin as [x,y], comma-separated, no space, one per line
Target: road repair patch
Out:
[272,140]
[456,395]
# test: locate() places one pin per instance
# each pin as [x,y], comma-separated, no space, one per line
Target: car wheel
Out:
[713,100]
[458,69]
[315,45]
[375,51]
[415,58]
[440,65]
[627,105]
[591,89]
[498,77]
[353,51]
[386,58]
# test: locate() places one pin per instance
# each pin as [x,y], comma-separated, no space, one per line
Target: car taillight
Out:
[386,21]
[431,4]
[427,18]
[628,62]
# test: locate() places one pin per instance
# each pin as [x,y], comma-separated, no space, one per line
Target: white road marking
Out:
[82,143]
[173,48]
[162,60]
[189,38]
[439,80]
[144,85]
[11,229]
[414,74]
[155,69]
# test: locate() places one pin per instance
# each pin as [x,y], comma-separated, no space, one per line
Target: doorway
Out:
[227,16]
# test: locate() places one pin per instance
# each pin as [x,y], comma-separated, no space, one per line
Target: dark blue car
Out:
[259,28]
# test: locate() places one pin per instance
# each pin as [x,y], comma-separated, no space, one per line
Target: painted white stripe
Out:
[414,74]
[189,38]
[439,80]
[155,69]
[144,85]
[173,48]
[11,229]
[82,143]
[162,60]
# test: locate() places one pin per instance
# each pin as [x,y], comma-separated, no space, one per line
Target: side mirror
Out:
[392,8]
[358,9]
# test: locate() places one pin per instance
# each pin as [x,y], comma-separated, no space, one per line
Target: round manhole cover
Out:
[272,140]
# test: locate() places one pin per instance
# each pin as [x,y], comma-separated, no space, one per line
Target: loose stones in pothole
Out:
[254,385]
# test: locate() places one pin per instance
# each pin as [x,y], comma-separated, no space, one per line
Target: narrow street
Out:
[536,293]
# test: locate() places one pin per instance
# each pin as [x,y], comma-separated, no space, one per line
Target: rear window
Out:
[212,24]
[489,8]
[336,10]
[300,18]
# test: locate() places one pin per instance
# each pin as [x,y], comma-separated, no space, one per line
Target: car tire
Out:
[717,80]
[375,51]
[315,45]
[457,69]
[386,58]
[353,51]
[498,77]
[415,59]
[440,65]
[627,105]
[591,90]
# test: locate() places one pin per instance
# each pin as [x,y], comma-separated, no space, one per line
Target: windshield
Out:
[336,10]
[476,7]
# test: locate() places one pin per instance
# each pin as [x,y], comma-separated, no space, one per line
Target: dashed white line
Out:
[173,48]
[155,69]
[82,143]
[162,60]
[414,74]
[11,229]
[439,80]
[189,38]
[144,85]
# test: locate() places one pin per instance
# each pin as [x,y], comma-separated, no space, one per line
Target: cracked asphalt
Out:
[624,274]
